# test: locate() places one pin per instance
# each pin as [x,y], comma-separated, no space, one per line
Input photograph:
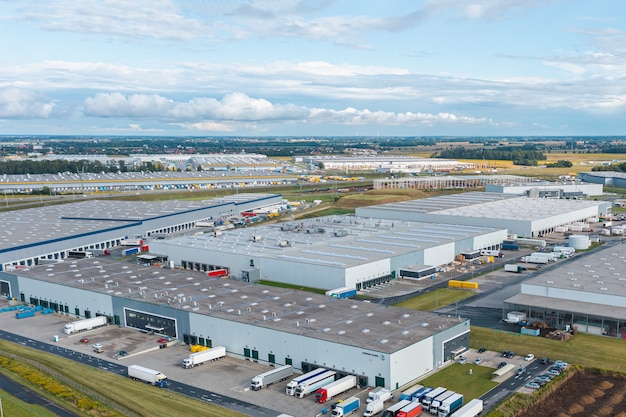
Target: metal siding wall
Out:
[439,255]
[440,338]
[181,316]
[366,272]
[410,363]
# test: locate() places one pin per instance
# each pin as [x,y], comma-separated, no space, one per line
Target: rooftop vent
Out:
[341,332]
[365,331]
[383,341]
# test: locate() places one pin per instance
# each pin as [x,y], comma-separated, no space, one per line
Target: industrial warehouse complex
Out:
[265,324]
[522,216]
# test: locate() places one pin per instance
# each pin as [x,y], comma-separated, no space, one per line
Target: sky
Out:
[313,67]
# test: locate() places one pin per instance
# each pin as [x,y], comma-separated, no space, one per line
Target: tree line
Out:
[525,155]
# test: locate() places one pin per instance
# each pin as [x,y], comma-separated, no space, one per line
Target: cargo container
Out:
[343,292]
[130,251]
[393,410]
[270,377]
[412,409]
[218,273]
[418,396]
[471,409]
[450,405]
[408,393]
[335,388]
[428,398]
[535,259]
[290,389]
[434,405]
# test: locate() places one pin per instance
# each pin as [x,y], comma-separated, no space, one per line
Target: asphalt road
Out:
[184,389]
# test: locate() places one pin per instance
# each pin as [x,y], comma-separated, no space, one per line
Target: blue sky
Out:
[313,67]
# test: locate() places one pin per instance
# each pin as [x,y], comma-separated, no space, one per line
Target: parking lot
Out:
[229,376]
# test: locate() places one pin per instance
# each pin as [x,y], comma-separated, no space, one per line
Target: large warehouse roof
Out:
[357,323]
[37,225]
[341,241]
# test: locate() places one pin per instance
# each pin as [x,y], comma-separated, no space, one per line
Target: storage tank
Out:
[580,242]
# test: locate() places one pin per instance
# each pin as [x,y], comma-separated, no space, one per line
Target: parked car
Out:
[505,354]
[482,350]
[553,372]
[462,360]
[545,361]
[510,355]
[541,382]
[560,363]
[533,385]
[478,361]
[122,353]
[162,340]
[529,357]
[543,378]
[97,347]
[501,364]
[84,340]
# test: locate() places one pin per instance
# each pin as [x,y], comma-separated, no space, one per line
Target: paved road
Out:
[188,390]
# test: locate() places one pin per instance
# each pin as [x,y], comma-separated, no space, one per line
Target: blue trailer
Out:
[421,393]
[130,251]
[408,394]
[343,292]
[510,246]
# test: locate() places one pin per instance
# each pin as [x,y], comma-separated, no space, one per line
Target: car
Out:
[560,363]
[529,357]
[462,360]
[482,350]
[547,376]
[533,385]
[505,353]
[519,371]
[544,378]
[553,372]
[97,347]
[541,382]
[545,361]
[510,355]
[122,353]
[84,340]
[501,364]
[162,340]
[478,361]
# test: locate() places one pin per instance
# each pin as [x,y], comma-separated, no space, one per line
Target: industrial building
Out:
[589,293]
[386,163]
[39,235]
[546,189]
[522,216]
[435,182]
[610,178]
[328,252]
[383,346]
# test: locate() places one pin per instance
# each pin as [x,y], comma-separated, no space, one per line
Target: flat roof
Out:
[552,303]
[358,323]
[489,205]
[339,241]
[38,225]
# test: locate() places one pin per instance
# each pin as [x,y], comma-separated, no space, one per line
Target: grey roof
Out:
[556,304]
[357,323]
[488,205]
[605,174]
[38,225]
[340,241]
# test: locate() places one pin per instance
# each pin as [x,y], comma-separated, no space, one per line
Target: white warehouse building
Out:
[328,252]
[381,345]
[522,216]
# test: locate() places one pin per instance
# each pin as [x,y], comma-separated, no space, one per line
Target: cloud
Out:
[120,105]
[16,103]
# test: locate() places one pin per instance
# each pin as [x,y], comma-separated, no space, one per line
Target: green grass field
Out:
[433,300]
[12,406]
[457,378]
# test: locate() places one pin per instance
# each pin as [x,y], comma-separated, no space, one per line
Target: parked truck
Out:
[342,292]
[270,377]
[535,259]
[428,398]
[290,389]
[346,407]
[450,405]
[85,324]
[510,246]
[333,389]
[379,393]
[513,268]
[393,410]
[412,409]
[373,408]
[408,393]
[552,256]
[497,253]
[313,384]
[515,317]
[198,358]
[147,375]
[419,395]
[471,409]
[434,405]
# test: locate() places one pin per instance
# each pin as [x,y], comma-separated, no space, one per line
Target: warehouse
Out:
[265,324]
[522,216]
[545,189]
[589,293]
[610,178]
[39,235]
[386,163]
[328,252]
[434,182]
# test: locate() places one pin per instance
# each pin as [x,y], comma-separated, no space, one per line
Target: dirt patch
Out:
[574,397]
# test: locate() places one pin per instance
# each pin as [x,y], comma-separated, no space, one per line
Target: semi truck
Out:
[393,410]
[450,405]
[147,375]
[407,394]
[270,377]
[335,388]
[413,409]
[552,256]
[346,407]
[513,268]
[564,249]
[85,324]
[290,389]
[314,384]
[428,398]
[535,259]
[373,408]
[419,395]
[379,393]
[497,253]
[342,292]
[471,409]
[203,356]
[434,405]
